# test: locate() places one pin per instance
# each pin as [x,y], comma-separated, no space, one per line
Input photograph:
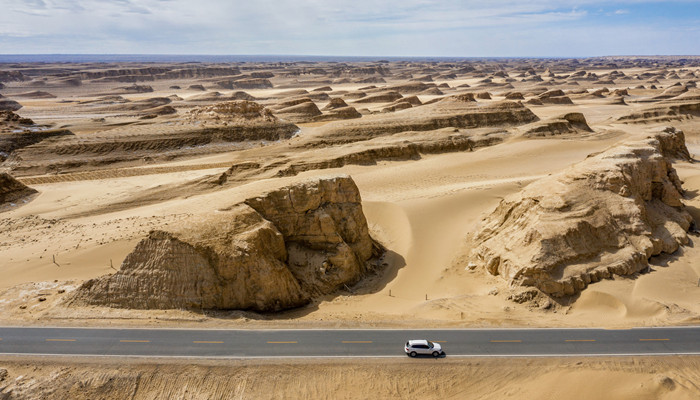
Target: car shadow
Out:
[418,356]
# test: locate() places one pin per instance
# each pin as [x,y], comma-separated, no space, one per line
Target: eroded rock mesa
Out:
[269,253]
[604,216]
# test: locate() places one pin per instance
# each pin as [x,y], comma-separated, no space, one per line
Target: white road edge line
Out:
[369,356]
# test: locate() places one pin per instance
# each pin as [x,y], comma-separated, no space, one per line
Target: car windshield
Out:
[430,344]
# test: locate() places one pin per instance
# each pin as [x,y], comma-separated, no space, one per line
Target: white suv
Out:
[415,347]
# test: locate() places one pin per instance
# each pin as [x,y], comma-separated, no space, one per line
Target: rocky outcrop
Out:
[411,87]
[664,111]
[12,76]
[604,216]
[514,96]
[252,83]
[383,97]
[555,96]
[9,105]
[241,111]
[410,146]
[324,229]
[132,89]
[12,190]
[272,252]
[570,123]
[37,94]
[17,132]
[242,96]
[145,105]
[334,104]
[203,130]
[339,113]
[301,112]
[455,112]
[556,100]
[153,73]
[262,74]
[11,121]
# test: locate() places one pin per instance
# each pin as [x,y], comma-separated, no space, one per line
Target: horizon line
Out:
[344,56]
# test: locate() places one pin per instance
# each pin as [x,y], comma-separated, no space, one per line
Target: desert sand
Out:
[581,378]
[116,151]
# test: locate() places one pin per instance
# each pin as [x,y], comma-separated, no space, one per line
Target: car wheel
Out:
[435,354]
[412,354]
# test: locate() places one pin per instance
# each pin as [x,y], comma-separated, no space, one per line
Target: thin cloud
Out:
[309,26]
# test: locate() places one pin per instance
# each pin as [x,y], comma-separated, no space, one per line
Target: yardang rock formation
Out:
[604,216]
[270,253]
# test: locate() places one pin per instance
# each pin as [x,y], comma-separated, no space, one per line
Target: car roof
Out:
[417,341]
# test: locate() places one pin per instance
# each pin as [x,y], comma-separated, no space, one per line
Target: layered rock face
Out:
[202,130]
[571,123]
[604,216]
[232,111]
[455,112]
[325,231]
[270,253]
[680,107]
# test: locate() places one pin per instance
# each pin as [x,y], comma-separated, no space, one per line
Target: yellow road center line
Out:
[206,341]
[134,341]
[654,340]
[580,340]
[289,342]
[357,341]
[60,340]
[439,341]
[506,341]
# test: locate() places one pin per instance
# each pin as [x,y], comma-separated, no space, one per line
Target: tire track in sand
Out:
[118,173]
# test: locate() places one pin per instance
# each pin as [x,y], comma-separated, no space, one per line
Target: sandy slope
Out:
[582,378]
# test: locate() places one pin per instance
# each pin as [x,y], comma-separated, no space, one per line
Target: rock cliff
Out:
[604,216]
[272,252]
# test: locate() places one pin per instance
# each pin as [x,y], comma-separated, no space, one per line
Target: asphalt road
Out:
[207,343]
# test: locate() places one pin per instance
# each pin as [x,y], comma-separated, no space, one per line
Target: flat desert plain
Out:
[468,193]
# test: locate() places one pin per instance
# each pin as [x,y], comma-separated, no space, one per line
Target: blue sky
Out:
[450,28]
